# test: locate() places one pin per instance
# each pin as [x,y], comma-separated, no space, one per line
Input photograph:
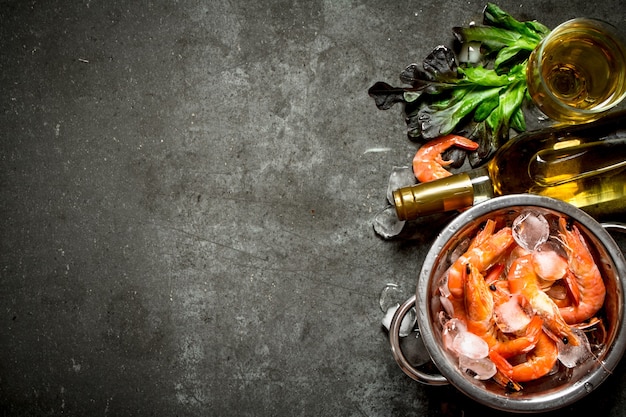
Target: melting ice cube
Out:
[407,324]
[571,355]
[387,224]
[468,344]
[399,177]
[390,296]
[470,52]
[530,230]
[482,368]
[548,264]
[510,317]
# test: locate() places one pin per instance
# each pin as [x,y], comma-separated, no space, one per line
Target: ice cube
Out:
[530,230]
[459,250]
[447,306]
[399,177]
[482,368]
[468,344]
[407,324]
[451,328]
[386,223]
[548,264]
[442,285]
[571,355]
[470,53]
[391,295]
[510,317]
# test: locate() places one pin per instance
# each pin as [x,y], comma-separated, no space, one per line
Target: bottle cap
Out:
[445,194]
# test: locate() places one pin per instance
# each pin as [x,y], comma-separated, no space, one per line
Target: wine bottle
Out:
[584,165]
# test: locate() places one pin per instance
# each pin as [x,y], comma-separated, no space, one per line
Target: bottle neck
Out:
[482,184]
[446,194]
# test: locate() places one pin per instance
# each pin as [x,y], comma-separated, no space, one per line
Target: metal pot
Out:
[567,385]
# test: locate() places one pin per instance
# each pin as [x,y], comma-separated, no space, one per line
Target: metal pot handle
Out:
[617,226]
[394,338]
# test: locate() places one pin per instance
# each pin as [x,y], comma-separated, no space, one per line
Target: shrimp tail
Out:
[572,287]
[506,382]
[524,343]
[428,165]
[483,255]
[539,361]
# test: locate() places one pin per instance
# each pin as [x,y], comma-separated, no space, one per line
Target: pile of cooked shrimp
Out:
[512,313]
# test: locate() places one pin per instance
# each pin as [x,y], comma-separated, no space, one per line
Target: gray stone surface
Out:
[186,198]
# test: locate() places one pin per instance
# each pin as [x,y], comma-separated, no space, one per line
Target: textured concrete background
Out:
[186,197]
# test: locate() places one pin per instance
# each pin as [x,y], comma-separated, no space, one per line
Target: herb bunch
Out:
[482,101]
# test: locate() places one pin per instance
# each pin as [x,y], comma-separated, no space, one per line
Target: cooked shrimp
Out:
[428,164]
[539,362]
[587,280]
[507,382]
[523,280]
[480,303]
[523,343]
[484,231]
[483,256]
[494,274]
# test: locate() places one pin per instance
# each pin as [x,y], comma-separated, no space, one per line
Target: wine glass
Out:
[578,71]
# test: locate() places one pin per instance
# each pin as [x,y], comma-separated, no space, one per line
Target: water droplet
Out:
[588,386]
[390,296]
